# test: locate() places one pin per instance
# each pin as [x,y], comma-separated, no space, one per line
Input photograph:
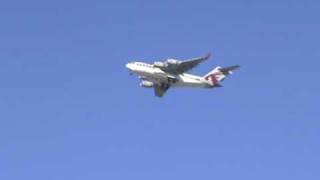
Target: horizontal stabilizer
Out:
[228,70]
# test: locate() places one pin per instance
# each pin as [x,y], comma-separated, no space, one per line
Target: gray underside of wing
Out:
[227,70]
[160,91]
[187,65]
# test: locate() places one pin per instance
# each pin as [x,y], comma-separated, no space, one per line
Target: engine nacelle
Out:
[173,61]
[160,64]
[146,84]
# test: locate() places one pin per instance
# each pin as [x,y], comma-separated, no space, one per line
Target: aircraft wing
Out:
[160,90]
[189,64]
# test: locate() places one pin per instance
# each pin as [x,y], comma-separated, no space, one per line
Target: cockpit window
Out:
[142,64]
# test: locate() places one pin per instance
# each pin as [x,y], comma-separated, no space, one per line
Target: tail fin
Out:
[218,74]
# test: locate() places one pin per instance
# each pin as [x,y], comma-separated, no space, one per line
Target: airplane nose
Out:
[128,66]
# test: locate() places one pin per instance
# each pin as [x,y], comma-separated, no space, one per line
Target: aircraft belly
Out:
[145,74]
[153,77]
[159,76]
[187,82]
[184,84]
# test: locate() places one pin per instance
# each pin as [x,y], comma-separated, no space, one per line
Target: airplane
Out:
[176,73]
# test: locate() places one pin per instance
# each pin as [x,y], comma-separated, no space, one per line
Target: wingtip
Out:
[207,56]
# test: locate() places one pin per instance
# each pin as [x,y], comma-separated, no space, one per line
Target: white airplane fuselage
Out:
[150,73]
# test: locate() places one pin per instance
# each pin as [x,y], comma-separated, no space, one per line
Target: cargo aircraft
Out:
[176,73]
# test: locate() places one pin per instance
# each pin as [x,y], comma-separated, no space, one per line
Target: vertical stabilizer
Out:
[218,74]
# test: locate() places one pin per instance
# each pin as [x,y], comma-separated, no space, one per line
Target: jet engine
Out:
[160,64]
[146,84]
[173,62]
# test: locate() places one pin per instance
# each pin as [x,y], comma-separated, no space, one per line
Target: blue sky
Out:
[70,110]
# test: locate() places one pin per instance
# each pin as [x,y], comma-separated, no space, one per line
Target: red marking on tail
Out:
[214,79]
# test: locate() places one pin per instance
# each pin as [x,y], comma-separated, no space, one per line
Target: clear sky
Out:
[70,110]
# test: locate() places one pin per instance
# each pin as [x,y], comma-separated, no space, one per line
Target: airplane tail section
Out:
[218,74]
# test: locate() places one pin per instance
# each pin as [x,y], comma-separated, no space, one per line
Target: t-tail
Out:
[218,74]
